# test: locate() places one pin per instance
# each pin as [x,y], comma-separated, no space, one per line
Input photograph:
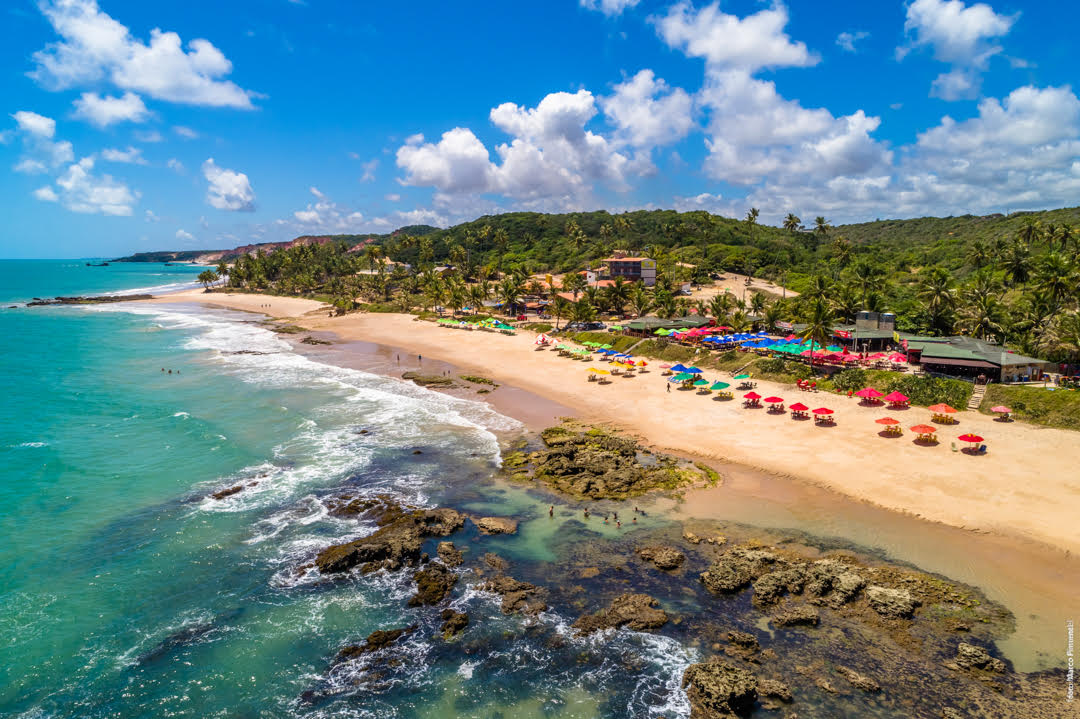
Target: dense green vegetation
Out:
[1057,408]
[1008,278]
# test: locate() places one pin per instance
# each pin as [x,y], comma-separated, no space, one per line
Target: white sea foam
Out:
[29,445]
[185,415]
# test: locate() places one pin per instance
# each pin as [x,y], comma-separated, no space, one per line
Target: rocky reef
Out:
[637,612]
[593,463]
[103,299]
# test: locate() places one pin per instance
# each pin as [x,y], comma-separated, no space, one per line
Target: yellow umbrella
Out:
[598,371]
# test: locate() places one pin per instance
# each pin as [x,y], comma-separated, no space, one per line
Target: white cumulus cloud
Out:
[46,194]
[957,34]
[228,189]
[94,48]
[847,40]
[40,151]
[83,191]
[647,113]
[35,124]
[103,110]
[609,7]
[132,155]
[185,235]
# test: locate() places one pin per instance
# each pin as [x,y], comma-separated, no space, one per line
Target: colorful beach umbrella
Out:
[700,382]
[598,371]
[798,407]
[822,411]
[895,397]
[719,385]
[941,409]
[868,393]
[678,368]
[924,429]
[974,438]
[1000,409]
[773,400]
[752,395]
[665,366]
[742,376]
[887,421]
[694,370]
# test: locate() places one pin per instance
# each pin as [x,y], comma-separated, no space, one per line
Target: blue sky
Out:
[139,126]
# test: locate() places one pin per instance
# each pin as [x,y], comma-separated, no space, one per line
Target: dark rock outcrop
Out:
[454,623]
[228,492]
[736,568]
[774,689]
[800,615]
[638,612]
[433,584]
[771,587]
[103,299]
[969,656]
[717,689]
[496,525]
[859,681]
[397,541]
[449,554]
[891,603]
[662,557]
[379,639]
[516,596]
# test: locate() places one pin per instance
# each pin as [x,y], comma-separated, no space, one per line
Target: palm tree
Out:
[978,255]
[868,277]
[818,327]
[559,308]
[1018,263]
[640,300]
[478,294]
[1064,336]
[1030,231]
[1057,277]
[936,292]
[207,278]
[222,270]
[372,255]
[792,223]
[846,302]
[456,297]
[573,283]
[509,292]
[820,288]
[583,311]
[983,316]
[618,294]
[821,227]
[758,301]
[751,221]
[739,322]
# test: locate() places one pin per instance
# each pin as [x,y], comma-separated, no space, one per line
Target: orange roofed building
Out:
[631,269]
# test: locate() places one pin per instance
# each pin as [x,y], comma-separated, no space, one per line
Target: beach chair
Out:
[982,449]
[954,447]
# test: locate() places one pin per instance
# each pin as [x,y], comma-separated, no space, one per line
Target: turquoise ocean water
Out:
[126,592]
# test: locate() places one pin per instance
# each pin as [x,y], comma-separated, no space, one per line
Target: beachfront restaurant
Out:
[969,357]
[647,326]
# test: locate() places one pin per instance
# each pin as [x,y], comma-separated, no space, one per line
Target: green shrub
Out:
[925,391]
[850,380]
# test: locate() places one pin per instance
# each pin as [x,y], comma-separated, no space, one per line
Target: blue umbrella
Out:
[679,368]
[691,370]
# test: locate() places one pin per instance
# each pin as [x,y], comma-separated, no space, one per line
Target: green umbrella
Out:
[719,385]
[742,376]
[605,347]
[682,377]
[660,332]
[701,382]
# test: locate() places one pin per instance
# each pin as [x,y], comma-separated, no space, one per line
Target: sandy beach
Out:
[1026,485]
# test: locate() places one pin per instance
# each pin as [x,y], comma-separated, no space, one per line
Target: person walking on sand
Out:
[551,511]
[668,387]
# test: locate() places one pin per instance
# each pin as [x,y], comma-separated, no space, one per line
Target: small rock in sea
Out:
[363,431]
[892,603]
[496,562]
[859,681]
[743,639]
[718,689]
[691,537]
[496,525]
[774,689]
[516,596]
[454,623]
[637,612]
[223,493]
[379,639]
[662,557]
[969,656]
[417,451]
[433,584]
[798,616]
[449,554]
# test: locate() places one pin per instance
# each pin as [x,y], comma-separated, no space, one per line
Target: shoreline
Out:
[1028,574]
[991,493]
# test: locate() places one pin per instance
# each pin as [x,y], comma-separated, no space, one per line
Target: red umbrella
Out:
[823,410]
[665,366]
[773,400]
[970,438]
[941,409]
[752,395]
[897,358]
[868,393]
[924,429]
[895,397]
[849,358]
[1000,409]
[798,407]
[887,420]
